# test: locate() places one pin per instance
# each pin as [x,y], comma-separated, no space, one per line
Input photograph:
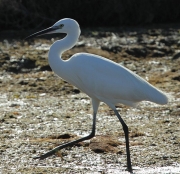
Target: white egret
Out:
[101,79]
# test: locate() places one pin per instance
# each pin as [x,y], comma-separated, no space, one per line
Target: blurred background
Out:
[22,14]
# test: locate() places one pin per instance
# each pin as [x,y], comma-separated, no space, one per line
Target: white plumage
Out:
[98,77]
[110,82]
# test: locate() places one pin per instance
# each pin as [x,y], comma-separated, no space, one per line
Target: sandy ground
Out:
[39,111]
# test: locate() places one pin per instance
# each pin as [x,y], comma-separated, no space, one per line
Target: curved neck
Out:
[56,50]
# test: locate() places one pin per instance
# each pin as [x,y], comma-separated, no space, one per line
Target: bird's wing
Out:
[103,78]
[110,82]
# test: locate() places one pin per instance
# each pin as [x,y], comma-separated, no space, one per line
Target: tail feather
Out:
[157,96]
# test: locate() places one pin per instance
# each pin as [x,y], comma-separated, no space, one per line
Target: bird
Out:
[100,78]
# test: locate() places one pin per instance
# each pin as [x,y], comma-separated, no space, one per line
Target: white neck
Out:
[56,63]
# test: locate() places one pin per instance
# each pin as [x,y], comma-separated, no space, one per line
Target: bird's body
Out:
[108,81]
[100,78]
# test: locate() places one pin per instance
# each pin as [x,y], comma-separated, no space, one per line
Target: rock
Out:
[167,42]
[16,65]
[176,56]
[157,53]
[76,91]
[177,77]
[166,50]
[111,48]
[22,82]
[45,68]
[137,51]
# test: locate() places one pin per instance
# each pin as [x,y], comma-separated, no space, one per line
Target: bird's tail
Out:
[157,96]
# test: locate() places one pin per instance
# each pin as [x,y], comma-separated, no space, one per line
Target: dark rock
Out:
[111,48]
[27,63]
[167,42]
[18,65]
[157,53]
[176,78]
[45,68]
[137,51]
[76,91]
[23,82]
[163,49]
[63,136]
[176,56]
[166,50]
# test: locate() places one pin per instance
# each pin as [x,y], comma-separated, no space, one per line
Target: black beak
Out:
[42,32]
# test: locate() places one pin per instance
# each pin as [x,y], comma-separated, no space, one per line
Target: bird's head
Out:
[65,25]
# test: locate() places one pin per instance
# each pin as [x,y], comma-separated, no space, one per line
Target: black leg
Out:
[53,151]
[125,128]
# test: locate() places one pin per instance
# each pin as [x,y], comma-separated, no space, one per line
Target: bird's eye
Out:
[61,25]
